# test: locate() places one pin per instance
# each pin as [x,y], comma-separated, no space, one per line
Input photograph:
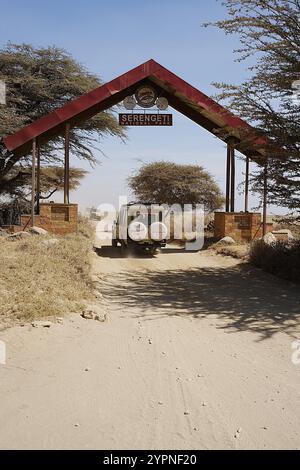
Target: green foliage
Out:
[169,183]
[269,30]
[17,189]
[51,180]
[38,81]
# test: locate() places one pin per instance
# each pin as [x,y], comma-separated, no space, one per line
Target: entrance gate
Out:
[204,111]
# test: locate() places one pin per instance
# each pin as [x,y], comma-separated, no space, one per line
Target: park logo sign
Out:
[145,97]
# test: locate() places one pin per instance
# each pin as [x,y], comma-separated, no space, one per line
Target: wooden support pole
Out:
[247,185]
[265,199]
[228,167]
[67,165]
[232,192]
[33,182]
[38,179]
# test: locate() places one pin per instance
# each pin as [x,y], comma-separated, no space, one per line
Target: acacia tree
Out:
[39,80]
[18,189]
[169,183]
[51,181]
[269,30]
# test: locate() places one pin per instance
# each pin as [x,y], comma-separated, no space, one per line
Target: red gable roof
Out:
[181,96]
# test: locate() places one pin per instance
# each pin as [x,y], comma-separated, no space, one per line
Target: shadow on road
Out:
[118,253]
[250,299]
[113,252]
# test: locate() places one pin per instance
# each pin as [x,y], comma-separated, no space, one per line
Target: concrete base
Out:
[241,226]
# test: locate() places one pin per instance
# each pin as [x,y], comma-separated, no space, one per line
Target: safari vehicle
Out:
[140,227]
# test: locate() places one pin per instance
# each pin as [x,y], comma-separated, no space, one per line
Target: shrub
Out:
[281,259]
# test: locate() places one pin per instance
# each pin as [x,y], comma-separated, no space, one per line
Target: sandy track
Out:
[196,354]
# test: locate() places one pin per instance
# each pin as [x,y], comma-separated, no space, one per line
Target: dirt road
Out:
[196,354]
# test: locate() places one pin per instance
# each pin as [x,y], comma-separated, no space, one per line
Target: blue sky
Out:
[111,37]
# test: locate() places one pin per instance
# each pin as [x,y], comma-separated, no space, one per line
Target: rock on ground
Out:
[93,312]
[226,241]
[37,231]
[269,238]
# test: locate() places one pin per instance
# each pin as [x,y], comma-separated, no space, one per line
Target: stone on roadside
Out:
[269,238]
[93,313]
[88,314]
[37,231]
[100,317]
[226,241]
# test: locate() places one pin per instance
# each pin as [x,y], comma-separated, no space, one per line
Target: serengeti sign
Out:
[145,119]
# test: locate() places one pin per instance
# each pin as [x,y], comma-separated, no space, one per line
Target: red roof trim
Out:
[150,69]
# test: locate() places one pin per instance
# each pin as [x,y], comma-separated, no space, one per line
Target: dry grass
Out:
[239,251]
[39,280]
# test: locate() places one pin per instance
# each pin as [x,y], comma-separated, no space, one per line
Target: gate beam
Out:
[232,191]
[228,169]
[67,165]
[33,181]
[247,185]
[265,198]
[38,178]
